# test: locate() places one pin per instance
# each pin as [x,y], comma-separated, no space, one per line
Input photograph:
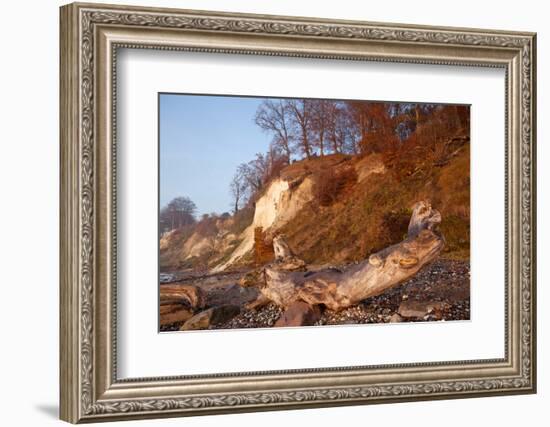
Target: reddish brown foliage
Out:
[435,140]
[332,183]
[207,226]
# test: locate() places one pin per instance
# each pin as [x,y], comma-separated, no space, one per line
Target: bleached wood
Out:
[338,289]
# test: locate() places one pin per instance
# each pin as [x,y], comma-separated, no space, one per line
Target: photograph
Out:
[277,212]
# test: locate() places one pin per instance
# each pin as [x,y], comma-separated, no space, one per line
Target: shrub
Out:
[457,233]
[395,224]
[331,183]
[242,219]
[207,226]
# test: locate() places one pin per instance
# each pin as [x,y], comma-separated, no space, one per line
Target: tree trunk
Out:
[237,197]
[305,143]
[339,289]
[321,143]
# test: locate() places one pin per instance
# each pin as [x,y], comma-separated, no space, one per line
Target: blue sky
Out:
[202,141]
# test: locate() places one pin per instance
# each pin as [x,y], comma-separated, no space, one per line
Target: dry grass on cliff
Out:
[369,215]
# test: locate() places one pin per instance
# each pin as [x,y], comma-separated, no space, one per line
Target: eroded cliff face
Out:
[219,249]
[276,207]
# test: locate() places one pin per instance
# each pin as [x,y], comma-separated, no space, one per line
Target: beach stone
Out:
[395,318]
[299,313]
[223,295]
[212,316]
[418,309]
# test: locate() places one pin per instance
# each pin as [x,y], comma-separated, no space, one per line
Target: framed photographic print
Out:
[265,212]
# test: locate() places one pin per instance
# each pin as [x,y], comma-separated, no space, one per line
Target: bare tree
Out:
[251,177]
[253,172]
[274,117]
[301,121]
[276,161]
[320,111]
[179,212]
[239,190]
[351,128]
[339,132]
[373,125]
[358,117]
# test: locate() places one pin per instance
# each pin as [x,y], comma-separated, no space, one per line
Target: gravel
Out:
[446,282]
[264,317]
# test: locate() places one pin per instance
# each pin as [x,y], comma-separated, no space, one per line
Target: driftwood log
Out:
[179,302]
[339,289]
[189,295]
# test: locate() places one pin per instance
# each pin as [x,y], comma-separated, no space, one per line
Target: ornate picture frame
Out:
[90,37]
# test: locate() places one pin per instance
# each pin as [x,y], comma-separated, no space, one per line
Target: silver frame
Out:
[90,37]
